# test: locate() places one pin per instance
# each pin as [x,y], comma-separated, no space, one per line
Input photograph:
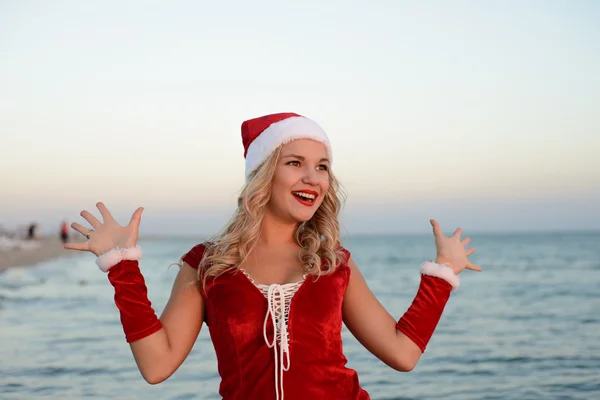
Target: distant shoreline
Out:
[49,248]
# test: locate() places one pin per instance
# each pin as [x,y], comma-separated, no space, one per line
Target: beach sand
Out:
[49,248]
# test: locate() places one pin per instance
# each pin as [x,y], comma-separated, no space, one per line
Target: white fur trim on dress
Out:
[441,271]
[112,257]
[283,132]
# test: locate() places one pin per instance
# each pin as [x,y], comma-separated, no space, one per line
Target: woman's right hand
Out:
[107,235]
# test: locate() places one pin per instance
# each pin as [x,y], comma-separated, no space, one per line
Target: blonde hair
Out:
[318,237]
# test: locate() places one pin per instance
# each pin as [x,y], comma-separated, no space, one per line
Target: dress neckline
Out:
[264,285]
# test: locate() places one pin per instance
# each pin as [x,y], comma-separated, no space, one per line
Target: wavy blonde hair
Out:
[318,237]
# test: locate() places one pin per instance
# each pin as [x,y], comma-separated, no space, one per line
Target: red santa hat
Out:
[262,135]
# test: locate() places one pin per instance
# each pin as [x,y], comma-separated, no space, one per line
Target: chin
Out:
[302,217]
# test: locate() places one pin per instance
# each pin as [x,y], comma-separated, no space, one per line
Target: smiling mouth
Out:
[305,198]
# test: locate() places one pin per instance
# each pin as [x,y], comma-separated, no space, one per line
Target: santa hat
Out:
[262,135]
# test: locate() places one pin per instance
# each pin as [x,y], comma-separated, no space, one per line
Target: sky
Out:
[483,115]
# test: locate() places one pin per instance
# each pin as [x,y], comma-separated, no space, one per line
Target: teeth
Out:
[305,195]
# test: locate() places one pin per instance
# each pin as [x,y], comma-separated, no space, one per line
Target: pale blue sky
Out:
[480,114]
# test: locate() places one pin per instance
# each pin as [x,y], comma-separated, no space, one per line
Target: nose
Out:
[310,177]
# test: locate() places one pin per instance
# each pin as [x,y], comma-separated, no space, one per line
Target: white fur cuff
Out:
[441,271]
[112,257]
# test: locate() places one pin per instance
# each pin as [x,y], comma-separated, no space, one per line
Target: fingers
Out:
[80,228]
[437,231]
[136,217]
[91,219]
[77,246]
[450,245]
[106,215]
[473,267]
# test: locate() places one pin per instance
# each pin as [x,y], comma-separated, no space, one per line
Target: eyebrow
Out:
[301,158]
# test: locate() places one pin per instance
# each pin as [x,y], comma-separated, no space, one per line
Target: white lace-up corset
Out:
[279,298]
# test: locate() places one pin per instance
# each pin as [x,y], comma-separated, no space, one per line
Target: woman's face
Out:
[300,181]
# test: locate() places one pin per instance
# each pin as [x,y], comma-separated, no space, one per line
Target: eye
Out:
[293,163]
[323,167]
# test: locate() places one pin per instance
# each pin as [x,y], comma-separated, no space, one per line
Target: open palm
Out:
[106,235]
[452,250]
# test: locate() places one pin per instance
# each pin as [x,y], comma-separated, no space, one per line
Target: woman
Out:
[275,285]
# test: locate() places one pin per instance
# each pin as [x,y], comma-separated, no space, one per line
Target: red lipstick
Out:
[305,197]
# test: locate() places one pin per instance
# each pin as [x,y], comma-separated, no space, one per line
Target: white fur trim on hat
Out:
[283,132]
[112,257]
[441,271]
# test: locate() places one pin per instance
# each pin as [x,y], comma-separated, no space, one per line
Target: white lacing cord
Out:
[279,298]
[276,297]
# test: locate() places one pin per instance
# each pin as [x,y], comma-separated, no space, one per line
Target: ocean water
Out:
[528,327]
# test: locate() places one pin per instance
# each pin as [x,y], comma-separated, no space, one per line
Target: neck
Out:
[276,232]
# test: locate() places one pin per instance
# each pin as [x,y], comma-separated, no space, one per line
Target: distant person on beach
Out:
[64,232]
[275,286]
[31,231]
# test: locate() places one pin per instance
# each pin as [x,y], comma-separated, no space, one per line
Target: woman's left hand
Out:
[452,250]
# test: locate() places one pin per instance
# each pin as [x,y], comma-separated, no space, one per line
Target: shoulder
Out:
[194,256]
[343,260]
[344,254]
[347,264]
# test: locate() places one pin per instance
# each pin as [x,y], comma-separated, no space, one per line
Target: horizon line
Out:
[523,232]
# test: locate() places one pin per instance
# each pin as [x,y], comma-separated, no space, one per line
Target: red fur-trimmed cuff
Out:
[116,255]
[441,271]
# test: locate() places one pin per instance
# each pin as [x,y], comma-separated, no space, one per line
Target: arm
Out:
[400,344]
[159,355]
[374,327]
[159,346]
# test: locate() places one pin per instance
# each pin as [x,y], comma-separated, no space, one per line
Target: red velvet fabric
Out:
[131,298]
[252,128]
[422,317]
[235,310]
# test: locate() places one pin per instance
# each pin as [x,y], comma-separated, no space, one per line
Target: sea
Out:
[527,327]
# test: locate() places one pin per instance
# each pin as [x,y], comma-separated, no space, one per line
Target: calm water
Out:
[528,327]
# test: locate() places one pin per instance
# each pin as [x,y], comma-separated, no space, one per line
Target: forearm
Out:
[393,347]
[419,322]
[146,334]
[396,349]
[398,343]
[407,353]
[438,279]
[159,346]
[160,354]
